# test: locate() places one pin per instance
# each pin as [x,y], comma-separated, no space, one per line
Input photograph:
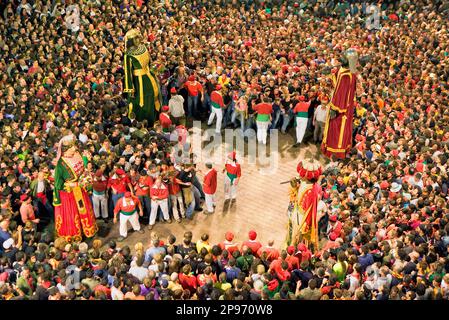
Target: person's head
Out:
[204,237]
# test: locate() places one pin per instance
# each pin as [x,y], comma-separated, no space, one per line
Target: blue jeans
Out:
[192,106]
[197,197]
[241,117]
[286,119]
[198,185]
[276,118]
[250,124]
[190,209]
[206,101]
[116,197]
[146,205]
[227,114]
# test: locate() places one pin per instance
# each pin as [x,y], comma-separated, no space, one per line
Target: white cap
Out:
[8,243]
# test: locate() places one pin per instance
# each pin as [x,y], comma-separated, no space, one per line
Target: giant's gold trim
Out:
[342,130]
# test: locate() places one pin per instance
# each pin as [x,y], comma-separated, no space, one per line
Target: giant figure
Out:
[337,139]
[303,222]
[141,85]
[73,209]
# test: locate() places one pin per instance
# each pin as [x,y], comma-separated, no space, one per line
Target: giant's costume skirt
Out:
[69,222]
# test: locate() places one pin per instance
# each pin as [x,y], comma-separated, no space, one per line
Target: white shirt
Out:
[139,272]
[116,294]
[320,113]
[176,106]
[83,138]
[40,186]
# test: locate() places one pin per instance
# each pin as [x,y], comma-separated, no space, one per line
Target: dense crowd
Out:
[385,225]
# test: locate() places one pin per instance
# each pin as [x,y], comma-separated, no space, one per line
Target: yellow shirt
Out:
[200,245]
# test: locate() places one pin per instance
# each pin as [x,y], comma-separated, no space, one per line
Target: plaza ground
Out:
[261,203]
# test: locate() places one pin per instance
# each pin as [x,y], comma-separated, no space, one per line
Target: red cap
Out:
[173,90]
[419,167]
[165,108]
[395,153]
[232,155]
[229,236]
[24,197]
[120,172]
[218,87]
[192,78]
[302,247]
[302,98]
[291,250]
[384,185]
[333,218]
[127,194]
[252,235]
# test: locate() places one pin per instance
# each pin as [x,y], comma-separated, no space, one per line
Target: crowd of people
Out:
[385,215]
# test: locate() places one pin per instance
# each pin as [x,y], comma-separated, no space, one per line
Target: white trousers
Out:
[155,204]
[176,199]
[210,202]
[301,126]
[262,129]
[219,113]
[100,202]
[133,220]
[230,191]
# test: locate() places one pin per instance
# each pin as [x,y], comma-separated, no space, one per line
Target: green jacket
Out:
[23,285]
[63,173]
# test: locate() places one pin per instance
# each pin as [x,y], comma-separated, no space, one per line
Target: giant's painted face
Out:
[70,152]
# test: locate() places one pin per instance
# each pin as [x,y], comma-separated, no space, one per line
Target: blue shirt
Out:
[151,252]
[232,273]
[366,260]
[4,235]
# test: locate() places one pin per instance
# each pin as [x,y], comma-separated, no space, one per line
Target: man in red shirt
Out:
[99,194]
[272,252]
[334,228]
[217,106]
[142,190]
[187,280]
[263,119]
[119,183]
[227,244]
[232,177]
[210,187]
[174,190]
[127,207]
[291,259]
[276,265]
[159,198]
[252,243]
[301,111]
[164,119]
[194,88]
